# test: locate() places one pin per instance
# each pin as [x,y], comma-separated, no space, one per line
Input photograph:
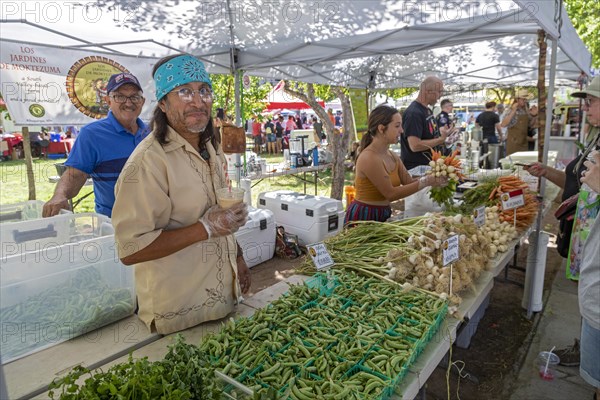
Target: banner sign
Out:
[49,86]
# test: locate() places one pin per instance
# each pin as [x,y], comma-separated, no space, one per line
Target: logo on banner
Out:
[37,110]
[86,84]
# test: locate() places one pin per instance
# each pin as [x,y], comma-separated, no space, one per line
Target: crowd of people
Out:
[271,134]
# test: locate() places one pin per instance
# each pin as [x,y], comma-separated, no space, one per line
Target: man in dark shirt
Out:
[443,118]
[489,122]
[279,129]
[421,133]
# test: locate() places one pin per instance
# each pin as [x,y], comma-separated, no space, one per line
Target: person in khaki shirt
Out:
[188,266]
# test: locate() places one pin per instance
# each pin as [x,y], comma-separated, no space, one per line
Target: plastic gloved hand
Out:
[430,180]
[224,221]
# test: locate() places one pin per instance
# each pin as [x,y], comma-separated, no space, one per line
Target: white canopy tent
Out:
[358,43]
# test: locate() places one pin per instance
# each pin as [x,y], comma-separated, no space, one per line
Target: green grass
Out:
[14,188]
[13,183]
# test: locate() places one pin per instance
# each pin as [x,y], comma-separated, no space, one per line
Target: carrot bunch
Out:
[525,214]
[508,184]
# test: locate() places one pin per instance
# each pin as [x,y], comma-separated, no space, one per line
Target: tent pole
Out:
[238,121]
[538,222]
[28,162]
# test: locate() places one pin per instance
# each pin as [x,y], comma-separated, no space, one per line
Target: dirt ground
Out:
[500,343]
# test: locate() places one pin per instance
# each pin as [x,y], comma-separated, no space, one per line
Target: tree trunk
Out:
[541,86]
[338,143]
[28,163]
[341,146]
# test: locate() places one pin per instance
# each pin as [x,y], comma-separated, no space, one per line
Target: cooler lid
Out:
[319,205]
[258,218]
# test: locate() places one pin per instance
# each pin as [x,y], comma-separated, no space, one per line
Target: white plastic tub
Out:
[60,277]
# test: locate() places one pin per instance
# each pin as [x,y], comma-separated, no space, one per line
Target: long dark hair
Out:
[160,125]
[380,115]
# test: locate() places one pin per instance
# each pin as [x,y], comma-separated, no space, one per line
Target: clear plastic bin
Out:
[24,211]
[60,277]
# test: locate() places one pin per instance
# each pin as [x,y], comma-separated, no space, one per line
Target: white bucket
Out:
[246,184]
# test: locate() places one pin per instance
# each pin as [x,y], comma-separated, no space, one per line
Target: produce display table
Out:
[29,376]
[295,172]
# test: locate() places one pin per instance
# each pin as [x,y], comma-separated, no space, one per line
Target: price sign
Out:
[479,216]
[320,256]
[511,200]
[450,251]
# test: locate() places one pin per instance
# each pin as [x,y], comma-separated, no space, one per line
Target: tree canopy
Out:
[585,16]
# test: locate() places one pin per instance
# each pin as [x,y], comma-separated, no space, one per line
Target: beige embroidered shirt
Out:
[168,187]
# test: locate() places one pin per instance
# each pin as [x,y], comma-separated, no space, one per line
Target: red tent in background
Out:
[278,99]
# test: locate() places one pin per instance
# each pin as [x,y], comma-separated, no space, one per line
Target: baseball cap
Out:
[123,78]
[593,89]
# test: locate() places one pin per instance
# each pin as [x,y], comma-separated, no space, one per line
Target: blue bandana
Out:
[179,71]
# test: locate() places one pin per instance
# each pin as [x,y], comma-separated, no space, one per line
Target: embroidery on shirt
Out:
[215,295]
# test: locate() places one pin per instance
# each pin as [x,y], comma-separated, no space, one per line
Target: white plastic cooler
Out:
[312,218]
[257,237]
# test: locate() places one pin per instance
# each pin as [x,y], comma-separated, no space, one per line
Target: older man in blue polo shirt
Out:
[103,147]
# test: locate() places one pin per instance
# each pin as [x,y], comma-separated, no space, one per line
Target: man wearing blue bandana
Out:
[102,147]
[188,266]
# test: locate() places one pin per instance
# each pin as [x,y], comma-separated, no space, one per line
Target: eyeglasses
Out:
[187,95]
[119,98]
[587,102]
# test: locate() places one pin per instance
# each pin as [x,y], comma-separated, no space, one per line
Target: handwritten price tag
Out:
[479,216]
[511,200]
[320,256]
[450,249]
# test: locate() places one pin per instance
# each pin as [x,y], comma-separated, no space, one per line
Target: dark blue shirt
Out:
[101,150]
[417,121]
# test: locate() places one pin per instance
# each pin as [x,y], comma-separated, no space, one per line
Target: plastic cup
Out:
[547,363]
[228,197]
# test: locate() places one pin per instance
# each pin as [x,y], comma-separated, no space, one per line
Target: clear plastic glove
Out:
[430,180]
[222,222]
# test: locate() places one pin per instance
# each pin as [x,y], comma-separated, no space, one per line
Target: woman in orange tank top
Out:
[380,174]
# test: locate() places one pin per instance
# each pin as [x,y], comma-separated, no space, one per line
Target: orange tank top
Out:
[366,191]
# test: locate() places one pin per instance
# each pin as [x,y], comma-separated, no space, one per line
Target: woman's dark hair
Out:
[380,115]
[160,125]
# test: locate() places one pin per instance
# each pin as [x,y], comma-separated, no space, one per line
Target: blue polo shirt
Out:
[101,150]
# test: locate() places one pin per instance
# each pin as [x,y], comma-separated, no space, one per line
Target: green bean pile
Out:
[82,303]
[356,342]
